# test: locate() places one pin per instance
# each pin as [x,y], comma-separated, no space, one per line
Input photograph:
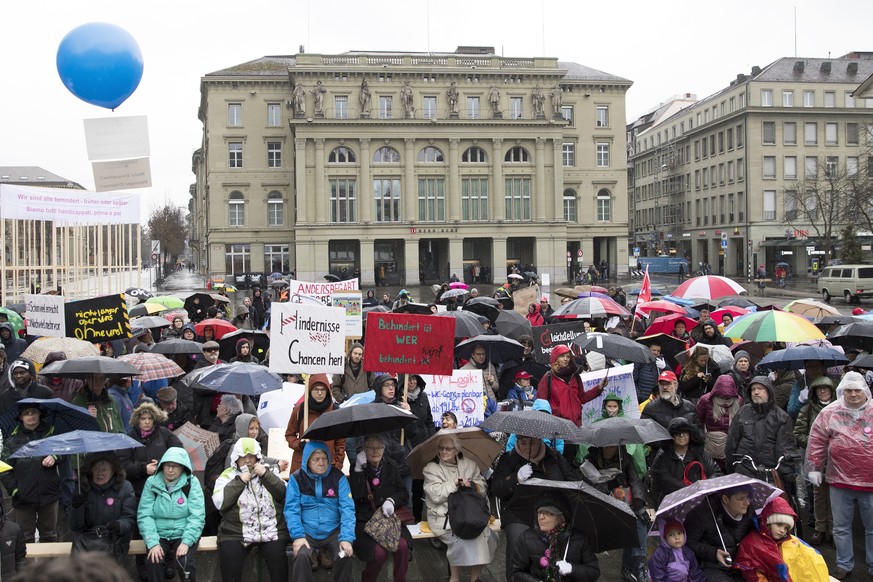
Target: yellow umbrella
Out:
[4,467]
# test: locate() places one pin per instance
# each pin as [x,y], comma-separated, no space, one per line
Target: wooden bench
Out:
[137,547]
[417,534]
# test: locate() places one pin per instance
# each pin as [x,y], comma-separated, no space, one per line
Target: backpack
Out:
[468,513]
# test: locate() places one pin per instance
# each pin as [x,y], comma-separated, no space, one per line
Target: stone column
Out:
[320,200]
[539,193]
[365,192]
[300,180]
[410,198]
[456,255]
[368,265]
[453,188]
[495,194]
[498,268]
[257,257]
[410,261]
[556,210]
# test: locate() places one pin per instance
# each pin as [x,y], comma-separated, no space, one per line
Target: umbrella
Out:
[659,305]
[515,276]
[582,294]
[708,287]
[76,442]
[174,346]
[239,378]
[206,301]
[453,293]
[274,407]
[739,302]
[139,293]
[782,264]
[487,306]
[13,319]
[367,397]
[506,302]
[220,326]
[829,320]
[773,326]
[679,504]
[19,308]
[532,423]
[615,346]
[70,346]
[754,349]
[59,414]
[375,309]
[152,366]
[226,288]
[219,298]
[865,362]
[858,335]
[329,277]
[476,444]
[260,341]
[150,322]
[794,358]
[678,300]
[144,309]
[589,288]
[636,291]
[414,308]
[589,307]
[512,324]
[567,292]
[277,283]
[605,522]
[731,310]
[670,346]
[466,323]
[811,308]
[458,285]
[167,301]
[666,324]
[198,442]
[85,367]
[500,348]
[720,354]
[359,420]
[622,430]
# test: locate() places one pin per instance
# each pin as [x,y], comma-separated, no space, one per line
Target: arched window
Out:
[341,155]
[517,154]
[386,155]
[570,205]
[236,211]
[604,206]
[474,155]
[275,209]
[430,154]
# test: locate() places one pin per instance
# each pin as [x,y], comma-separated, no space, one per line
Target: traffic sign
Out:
[156,247]
[154,256]
[579,253]
[724,243]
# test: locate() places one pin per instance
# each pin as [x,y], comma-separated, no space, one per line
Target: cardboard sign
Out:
[621,383]
[522,298]
[122,174]
[405,343]
[321,291]
[351,302]
[198,442]
[45,315]
[98,320]
[307,339]
[461,393]
[546,337]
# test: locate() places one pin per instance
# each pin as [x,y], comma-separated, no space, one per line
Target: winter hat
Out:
[742,354]
[672,525]
[780,518]
[858,311]
[22,363]
[554,504]
[558,351]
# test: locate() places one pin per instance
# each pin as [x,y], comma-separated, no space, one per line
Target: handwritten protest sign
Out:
[45,315]
[321,291]
[546,337]
[523,297]
[100,319]
[402,342]
[307,339]
[461,393]
[621,383]
[350,301]
[198,442]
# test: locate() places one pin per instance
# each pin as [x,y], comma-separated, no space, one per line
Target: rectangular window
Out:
[831,137]
[604,208]
[769,133]
[517,194]
[789,204]
[766,98]
[237,259]
[852,165]
[706,177]
[234,114]
[721,142]
[740,136]
[516,107]
[386,107]
[568,155]
[431,200]
[386,192]
[236,211]
[569,201]
[741,170]
[567,113]
[830,99]
[473,111]
[849,100]
[810,167]
[276,258]
[810,133]
[341,106]
[602,155]
[870,166]
[712,176]
[730,138]
[697,150]
[706,211]
[731,169]
[429,105]
[274,154]
[602,116]
[810,205]
[789,133]
[769,204]
[870,134]
[721,174]
[235,153]
[852,134]
[474,199]
[343,200]
[809,98]
[789,168]
[697,179]
[832,164]
[787,98]
[274,114]
[275,211]
[769,167]
[712,145]
[730,207]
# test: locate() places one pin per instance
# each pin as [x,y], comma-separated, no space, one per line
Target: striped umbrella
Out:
[152,366]
[709,287]
[588,307]
[773,326]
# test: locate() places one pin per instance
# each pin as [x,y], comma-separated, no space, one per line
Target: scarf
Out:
[539,456]
[315,406]
[556,540]
[413,395]
[144,434]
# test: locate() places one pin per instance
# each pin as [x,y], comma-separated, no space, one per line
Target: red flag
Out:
[645,288]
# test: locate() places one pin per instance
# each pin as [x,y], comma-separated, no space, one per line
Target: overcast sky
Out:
[665,48]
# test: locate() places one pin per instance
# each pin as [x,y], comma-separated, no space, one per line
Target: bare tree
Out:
[169,225]
[859,200]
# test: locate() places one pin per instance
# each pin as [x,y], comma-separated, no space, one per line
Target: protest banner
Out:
[307,339]
[45,315]
[351,302]
[546,337]
[462,393]
[321,291]
[402,342]
[64,206]
[98,320]
[198,442]
[621,383]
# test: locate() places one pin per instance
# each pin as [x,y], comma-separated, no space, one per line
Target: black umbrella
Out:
[500,349]
[865,362]
[331,277]
[466,323]
[414,308]
[532,423]
[138,292]
[829,320]
[512,324]
[260,341]
[150,322]
[86,367]
[615,346]
[858,334]
[174,346]
[206,301]
[794,358]
[358,420]
[605,522]
[486,306]
[622,430]
[670,346]
[738,302]
[507,303]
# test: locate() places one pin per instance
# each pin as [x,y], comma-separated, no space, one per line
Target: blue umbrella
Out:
[794,358]
[239,378]
[679,300]
[60,414]
[636,291]
[362,398]
[76,442]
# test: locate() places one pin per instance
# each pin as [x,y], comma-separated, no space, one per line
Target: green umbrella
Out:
[167,301]
[13,318]
[773,326]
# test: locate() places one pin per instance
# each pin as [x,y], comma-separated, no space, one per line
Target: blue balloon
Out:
[100,64]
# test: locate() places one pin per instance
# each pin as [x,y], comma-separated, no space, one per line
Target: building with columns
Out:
[409,167]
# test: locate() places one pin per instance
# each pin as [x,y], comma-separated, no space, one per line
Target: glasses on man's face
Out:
[209,350]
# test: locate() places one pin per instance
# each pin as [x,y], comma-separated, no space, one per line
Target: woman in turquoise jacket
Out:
[171,516]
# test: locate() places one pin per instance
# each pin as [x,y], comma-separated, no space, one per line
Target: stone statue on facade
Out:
[452,96]
[556,95]
[539,101]
[406,100]
[494,99]
[298,97]
[364,99]
[319,92]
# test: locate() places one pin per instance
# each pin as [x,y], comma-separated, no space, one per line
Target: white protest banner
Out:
[307,339]
[122,174]
[62,205]
[116,138]
[321,291]
[461,393]
[350,301]
[621,383]
[45,315]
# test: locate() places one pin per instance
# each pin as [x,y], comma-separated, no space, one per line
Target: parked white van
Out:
[852,282]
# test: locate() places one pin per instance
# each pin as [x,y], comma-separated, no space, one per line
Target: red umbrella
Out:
[648,307]
[221,327]
[708,287]
[667,323]
[731,310]
[458,285]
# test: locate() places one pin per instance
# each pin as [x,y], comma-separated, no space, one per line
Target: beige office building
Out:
[710,181]
[409,167]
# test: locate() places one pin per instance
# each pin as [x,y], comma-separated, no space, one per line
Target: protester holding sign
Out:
[319,403]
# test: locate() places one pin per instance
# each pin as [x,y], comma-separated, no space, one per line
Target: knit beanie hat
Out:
[780,518]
